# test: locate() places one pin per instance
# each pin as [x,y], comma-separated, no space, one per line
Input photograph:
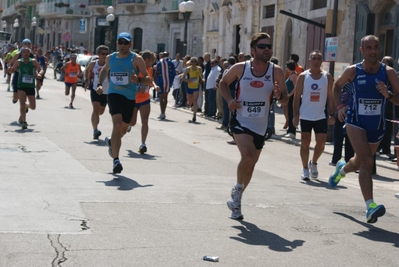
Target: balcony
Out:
[172,8]
[10,13]
[73,10]
[100,6]
[131,5]
[47,10]
[30,2]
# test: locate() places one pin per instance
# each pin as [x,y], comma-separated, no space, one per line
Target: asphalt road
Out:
[60,204]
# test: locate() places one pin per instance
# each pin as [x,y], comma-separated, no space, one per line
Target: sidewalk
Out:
[382,160]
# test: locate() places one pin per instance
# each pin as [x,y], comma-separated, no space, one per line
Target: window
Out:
[317,4]
[268,11]
[138,39]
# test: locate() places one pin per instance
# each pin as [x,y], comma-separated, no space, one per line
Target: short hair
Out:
[291,64]
[274,60]
[147,54]
[101,48]
[226,63]
[315,51]
[294,57]
[259,36]
[232,60]
[369,37]
[388,61]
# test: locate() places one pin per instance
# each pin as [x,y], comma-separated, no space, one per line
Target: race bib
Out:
[193,80]
[141,88]
[120,78]
[27,78]
[253,109]
[370,107]
[72,74]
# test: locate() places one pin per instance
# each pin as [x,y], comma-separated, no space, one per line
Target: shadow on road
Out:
[318,183]
[96,142]
[136,155]
[384,178]
[374,233]
[123,183]
[252,235]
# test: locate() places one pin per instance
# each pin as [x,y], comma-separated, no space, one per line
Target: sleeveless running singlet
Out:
[143,91]
[71,73]
[254,93]
[193,78]
[367,105]
[96,71]
[26,78]
[120,71]
[314,97]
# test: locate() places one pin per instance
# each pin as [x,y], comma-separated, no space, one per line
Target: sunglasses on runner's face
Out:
[123,42]
[263,46]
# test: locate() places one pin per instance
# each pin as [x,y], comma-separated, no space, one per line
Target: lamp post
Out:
[16,25]
[33,24]
[110,18]
[186,7]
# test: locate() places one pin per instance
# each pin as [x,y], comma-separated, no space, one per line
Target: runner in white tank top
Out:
[258,80]
[255,98]
[314,86]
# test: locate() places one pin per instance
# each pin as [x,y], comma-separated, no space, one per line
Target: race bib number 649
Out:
[253,109]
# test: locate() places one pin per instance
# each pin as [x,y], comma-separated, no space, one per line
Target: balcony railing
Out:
[47,9]
[101,2]
[131,1]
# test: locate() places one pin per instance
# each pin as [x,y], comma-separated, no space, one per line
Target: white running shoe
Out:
[234,204]
[305,174]
[290,135]
[313,170]
[162,117]
[397,195]
[108,143]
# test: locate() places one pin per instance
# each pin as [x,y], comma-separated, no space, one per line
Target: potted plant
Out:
[69,11]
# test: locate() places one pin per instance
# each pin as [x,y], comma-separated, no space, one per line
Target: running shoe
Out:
[20,120]
[108,143]
[194,118]
[117,166]
[129,128]
[374,211]
[38,97]
[96,134]
[305,174]
[313,170]
[142,149]
[8,88]
[290,135]
[336,176]
[234,204]
[397,195]
[70,105]
[24,125]
[162,117]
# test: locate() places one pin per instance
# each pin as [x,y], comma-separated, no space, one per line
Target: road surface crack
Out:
[59,250]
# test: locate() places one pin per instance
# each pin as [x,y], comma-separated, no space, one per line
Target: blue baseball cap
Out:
[26,41]
[125,35]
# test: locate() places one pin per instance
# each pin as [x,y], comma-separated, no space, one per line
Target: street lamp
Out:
[110,18]
[33,24]
[16,25]
[186,8]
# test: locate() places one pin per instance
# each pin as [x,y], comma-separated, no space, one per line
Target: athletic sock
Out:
[239,186]
[368,202]
[342,171]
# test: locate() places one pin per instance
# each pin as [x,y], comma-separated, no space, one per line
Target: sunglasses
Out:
[104,54]
[123,42]
[264,46]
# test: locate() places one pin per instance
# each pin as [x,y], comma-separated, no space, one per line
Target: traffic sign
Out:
[66,37]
